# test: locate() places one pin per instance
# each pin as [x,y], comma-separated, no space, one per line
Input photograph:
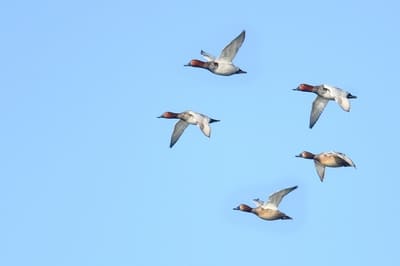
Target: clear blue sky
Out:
[87,177]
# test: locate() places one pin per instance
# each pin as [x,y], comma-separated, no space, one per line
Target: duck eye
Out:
[214,65]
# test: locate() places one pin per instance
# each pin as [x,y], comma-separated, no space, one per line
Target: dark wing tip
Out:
[172,143]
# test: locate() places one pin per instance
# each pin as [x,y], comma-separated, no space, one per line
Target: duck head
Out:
[243,208]
[168,115]
[306,155]
[197,63]
[305,87]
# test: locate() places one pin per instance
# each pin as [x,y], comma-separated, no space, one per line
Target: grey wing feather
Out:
[258,202]
[318,107]
[320,170]
[345,158]
[207,56]
[230,51]
[276,198]
[180,126]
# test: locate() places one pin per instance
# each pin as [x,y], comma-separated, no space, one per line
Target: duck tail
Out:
[212,120]
[286,217]
[240,71]
[350,96]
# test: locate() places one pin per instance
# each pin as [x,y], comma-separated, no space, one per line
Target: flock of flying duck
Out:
[223,65]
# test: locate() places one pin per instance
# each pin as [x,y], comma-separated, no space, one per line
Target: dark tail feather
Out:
[285,217]
[214,120]
[349,96]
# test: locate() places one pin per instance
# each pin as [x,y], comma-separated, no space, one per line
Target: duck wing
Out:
[320,170]
[203,122]
[207,56]
[276,198]
[318,107]
[205,128]
[180,126]
[343,102]
[230,51]
[258,202]
[345,158]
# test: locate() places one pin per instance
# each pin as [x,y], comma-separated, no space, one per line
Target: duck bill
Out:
[298,88]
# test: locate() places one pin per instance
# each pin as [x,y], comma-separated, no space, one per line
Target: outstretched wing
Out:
[205,128]
[320,170]
[318,107]
[180,126]
[344,103]
[258,202]
[203,122]
[207,56]
[276,198]
[230,51]
[346,159]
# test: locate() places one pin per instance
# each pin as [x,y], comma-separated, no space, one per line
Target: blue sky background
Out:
[87,177]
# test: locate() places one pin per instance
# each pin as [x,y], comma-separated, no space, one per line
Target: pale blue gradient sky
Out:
[87,177]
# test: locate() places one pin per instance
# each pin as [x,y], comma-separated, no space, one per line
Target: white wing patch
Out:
[343,102]
[205,128]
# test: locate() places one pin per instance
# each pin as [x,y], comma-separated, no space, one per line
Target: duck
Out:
[268,210]
[327,159]
[223,64]
[325,93]
[186,118]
